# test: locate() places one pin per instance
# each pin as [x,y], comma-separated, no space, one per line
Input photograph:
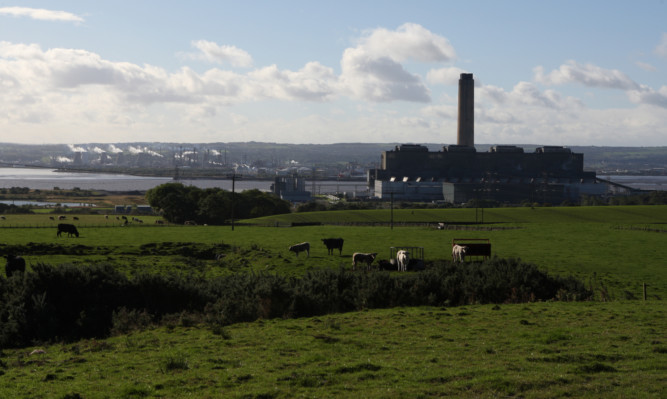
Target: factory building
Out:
[458,173]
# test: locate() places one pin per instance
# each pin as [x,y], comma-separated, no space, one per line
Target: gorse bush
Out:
[69,302]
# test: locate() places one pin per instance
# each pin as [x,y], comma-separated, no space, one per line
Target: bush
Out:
[71,303]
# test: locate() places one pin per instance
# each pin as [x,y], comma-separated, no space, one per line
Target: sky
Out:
[546,72]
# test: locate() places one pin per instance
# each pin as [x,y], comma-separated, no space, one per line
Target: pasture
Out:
[596,349]
[535,350]
[615,250]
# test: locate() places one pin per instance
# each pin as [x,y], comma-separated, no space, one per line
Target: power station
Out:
[505,173]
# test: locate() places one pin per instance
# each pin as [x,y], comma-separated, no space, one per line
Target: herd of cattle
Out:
[401,263]
[16,264]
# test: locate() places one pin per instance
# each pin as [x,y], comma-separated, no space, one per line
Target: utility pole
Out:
[233,197]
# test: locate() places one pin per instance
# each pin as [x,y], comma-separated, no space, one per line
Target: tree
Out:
[179,203]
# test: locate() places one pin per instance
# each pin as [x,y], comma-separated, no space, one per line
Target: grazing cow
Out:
[2,217]
[106,216]
[15,264]
[70,229]
[403,259]
[61,217]
[359,257]
[458,253]
[190,223]
[75,218]
[304,246]
[333,243]
[51,217]
[159,222]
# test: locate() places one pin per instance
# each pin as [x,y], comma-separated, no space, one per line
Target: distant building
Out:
[458,173]
[291,188]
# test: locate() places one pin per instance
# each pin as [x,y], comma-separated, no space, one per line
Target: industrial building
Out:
[458,173]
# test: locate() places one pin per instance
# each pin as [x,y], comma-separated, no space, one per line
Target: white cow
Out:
[458,253]
[402,258]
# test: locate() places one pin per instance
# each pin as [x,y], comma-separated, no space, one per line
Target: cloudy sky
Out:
[546,72]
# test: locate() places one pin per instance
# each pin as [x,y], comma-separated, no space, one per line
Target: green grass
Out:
[538,350]
[613,249]
[603,214]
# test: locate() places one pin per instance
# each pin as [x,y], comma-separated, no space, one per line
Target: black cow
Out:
[70,229]
[333,243]
[15,264]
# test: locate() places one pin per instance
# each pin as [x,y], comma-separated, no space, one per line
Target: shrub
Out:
[70,303]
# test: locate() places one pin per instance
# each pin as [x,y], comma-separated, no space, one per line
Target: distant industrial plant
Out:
[459,173]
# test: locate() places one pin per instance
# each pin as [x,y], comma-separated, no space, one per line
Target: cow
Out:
[458,253]
[190,223]
[304,246]
[61,217]
[333,243]
[75,218]
[51,217]
[70,229]
[366,258]
[403,259]
[15,264]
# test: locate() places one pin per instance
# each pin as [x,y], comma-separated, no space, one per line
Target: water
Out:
[44,203]
[48,179]
[653,183]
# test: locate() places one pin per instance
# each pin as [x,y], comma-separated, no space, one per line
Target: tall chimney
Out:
[466,132]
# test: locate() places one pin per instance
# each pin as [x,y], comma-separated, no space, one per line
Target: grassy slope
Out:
[538,350]
[612,349]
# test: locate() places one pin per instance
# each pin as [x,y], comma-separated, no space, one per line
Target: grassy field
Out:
[537,350]
[612,349]
[614,249]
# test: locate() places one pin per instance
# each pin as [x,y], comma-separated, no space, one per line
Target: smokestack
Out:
[466,132]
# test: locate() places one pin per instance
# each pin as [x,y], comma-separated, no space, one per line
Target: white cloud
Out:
[649,96]
[588,75]
[314,82]
[441,111]
[409,41]
[220,54]
[445,76]
[645,66]
[40,14]
[661,48]
[523,94]
[373,71]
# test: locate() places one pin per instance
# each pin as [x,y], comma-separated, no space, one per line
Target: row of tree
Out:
[179,203]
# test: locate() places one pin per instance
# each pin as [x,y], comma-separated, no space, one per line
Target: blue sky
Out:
[546,72]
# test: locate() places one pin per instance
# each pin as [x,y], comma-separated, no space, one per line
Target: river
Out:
[48,179]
